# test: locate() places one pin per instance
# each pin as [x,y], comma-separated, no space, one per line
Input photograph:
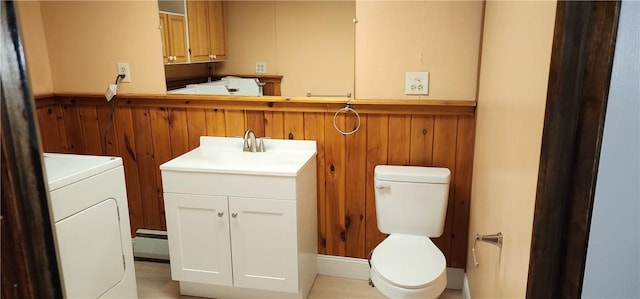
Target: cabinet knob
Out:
[214,56]
[220,214]
[210,56]
[234,215]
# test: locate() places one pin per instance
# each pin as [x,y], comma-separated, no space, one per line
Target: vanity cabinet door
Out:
[264,244]
[199,240]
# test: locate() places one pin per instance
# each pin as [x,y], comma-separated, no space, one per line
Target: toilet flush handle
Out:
[381,187]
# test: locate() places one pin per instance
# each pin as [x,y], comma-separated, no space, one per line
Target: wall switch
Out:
[417,83]
[261,67]
[123,69]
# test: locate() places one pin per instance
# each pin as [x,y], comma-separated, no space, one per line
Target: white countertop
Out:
[224,155]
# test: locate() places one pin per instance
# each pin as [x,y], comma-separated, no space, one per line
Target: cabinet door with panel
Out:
[264,243]
[174,38]
[199,240]
[206,30]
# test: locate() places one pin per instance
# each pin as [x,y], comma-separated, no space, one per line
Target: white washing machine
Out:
[92,230]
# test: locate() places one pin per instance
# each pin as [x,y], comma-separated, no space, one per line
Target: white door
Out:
[264,244]
[198,232]
[90,250]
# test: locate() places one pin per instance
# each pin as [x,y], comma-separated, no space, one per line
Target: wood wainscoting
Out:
[150,130]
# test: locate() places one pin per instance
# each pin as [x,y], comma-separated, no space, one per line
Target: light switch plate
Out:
[417,83]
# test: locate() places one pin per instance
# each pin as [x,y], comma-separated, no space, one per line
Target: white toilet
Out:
[411,204]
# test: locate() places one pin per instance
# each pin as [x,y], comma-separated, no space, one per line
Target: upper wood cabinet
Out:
[174,38]
[206,30]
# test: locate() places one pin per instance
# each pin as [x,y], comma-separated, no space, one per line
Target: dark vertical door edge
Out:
[580,73]
[29,268]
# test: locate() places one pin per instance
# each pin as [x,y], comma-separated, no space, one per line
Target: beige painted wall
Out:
[35,47]
[250,37]
[86,39]
[514,73]
[310,43]
[439,37]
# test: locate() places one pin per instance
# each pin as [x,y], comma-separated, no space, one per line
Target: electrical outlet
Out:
[417,83]
[123,68]
[261,67]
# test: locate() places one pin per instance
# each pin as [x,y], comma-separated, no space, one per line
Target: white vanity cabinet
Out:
[260,235]
[199,239]
[240,233]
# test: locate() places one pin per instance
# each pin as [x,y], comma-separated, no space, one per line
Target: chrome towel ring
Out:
[346,109]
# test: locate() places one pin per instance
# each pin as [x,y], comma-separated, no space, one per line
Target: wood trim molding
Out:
[272,103]
[41,96]
[28,266]
[580,74]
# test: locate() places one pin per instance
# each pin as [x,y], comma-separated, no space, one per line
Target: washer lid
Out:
[65,169]
[412,174]
[408,261]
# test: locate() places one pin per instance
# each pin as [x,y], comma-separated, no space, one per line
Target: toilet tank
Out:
[411,199]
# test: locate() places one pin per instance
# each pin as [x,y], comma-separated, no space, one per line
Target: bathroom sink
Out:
[282,157]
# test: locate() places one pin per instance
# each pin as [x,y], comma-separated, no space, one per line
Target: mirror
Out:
[308,44]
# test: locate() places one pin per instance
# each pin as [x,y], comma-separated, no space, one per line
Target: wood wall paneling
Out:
[462,186]
[145,136]
[106,125]
[147,168]
[234,123]
[314,130]
[72,127]
[177,118]
[255,121]
[161,151]
[127,150]
[377,154]
[215,122]
[421,152]
[335,187]
[355,187]
[196,126]
[90,129]
[444,155]
[274,124]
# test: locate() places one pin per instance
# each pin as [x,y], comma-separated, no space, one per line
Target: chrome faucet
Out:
[249,139]
[250,144]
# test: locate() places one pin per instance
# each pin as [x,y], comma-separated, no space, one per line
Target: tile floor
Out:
[154,281]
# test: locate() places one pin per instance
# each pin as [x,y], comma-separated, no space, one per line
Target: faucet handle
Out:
[261,145]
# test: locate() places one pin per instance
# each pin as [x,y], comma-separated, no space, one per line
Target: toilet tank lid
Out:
[412,174]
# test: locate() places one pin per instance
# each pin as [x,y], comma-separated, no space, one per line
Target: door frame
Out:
[29,265]
[579,79]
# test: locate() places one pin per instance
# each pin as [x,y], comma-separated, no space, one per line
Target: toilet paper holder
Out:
[495,239]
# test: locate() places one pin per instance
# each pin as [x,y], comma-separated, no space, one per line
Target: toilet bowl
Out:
[410,206]
[406,266]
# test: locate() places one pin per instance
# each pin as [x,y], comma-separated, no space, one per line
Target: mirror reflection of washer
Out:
[92,230]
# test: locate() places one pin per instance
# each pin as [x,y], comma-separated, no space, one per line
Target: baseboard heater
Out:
[151,245]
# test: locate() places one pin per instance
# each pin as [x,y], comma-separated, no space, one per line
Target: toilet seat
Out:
[407,261]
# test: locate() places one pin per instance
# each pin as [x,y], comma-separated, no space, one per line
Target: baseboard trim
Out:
[466,293]
[355,268]
[151,245]
[346,267]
